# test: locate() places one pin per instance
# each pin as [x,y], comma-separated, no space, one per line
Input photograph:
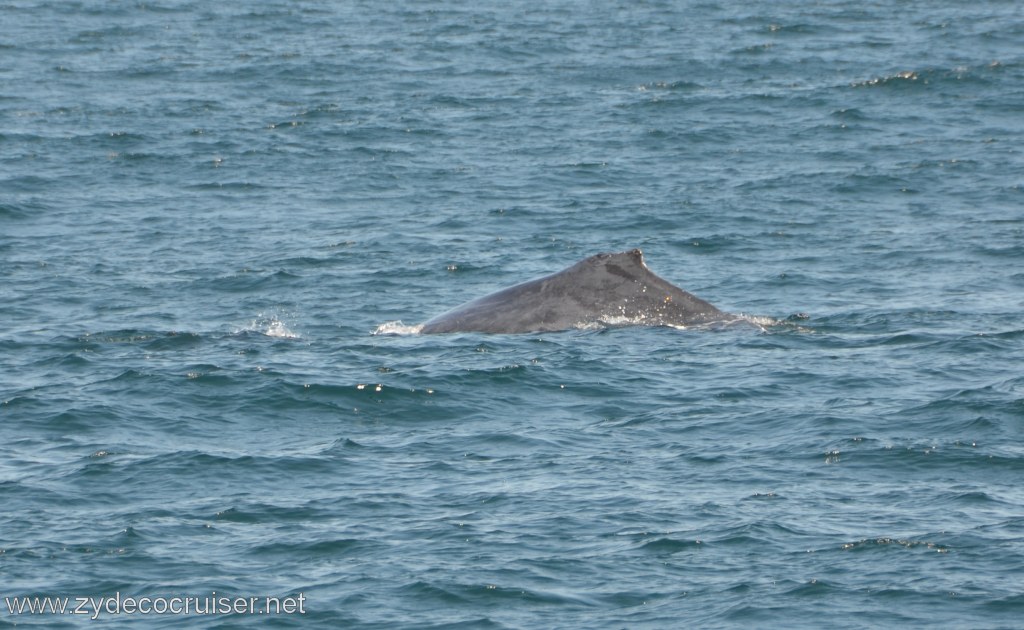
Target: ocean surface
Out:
[220,224]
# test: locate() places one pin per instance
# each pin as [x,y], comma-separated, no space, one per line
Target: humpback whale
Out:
[602,290]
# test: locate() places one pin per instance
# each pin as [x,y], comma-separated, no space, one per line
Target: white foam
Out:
[276,328]
[397,328]
[760,321]
[271,326]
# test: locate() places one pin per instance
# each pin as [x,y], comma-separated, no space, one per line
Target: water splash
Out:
[271,326]
[397,328]
[276,328]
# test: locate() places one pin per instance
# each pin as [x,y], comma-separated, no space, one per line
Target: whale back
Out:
[604,289]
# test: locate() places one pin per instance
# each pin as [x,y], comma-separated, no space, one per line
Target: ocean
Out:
[221,223]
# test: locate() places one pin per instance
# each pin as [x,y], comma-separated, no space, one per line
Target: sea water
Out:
[208,209]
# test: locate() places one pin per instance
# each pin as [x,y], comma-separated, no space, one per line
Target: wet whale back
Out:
[603,289]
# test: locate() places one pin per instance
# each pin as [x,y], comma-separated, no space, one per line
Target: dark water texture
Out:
[206,209]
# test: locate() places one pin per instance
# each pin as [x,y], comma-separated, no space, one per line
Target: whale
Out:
[604,290]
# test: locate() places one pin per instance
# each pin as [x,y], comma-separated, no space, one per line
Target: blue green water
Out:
[207,210]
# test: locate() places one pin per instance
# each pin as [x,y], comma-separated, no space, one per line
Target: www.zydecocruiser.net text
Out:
[118,604]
